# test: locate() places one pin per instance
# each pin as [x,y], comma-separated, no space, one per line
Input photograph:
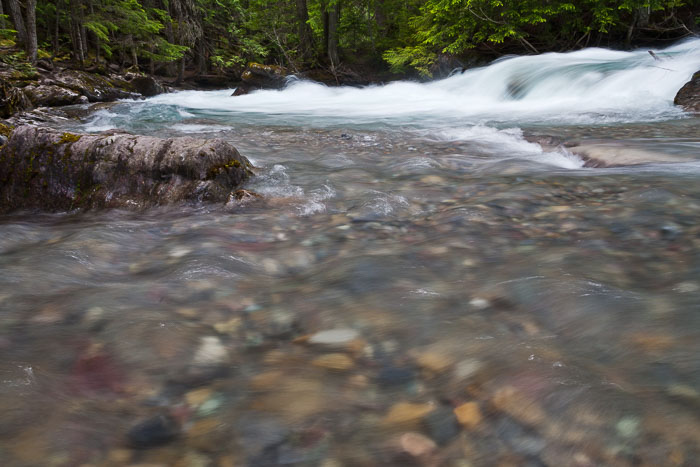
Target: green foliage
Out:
[406,34]
[455,26]
[419,57]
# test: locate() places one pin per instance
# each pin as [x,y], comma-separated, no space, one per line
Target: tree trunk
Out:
[18,20]
[75,28]
[324,20]
[201,57]
[56,30]
[170,36]
[304,30]
[134,54]
[181,71]
[83,33]
[97,39]
[31,31]
[2,18]
[333,19]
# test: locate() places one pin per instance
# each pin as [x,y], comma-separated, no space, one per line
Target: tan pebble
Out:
[197,397]
[228,327]
[359,381]
[295,399]
[432,179]
[187,312]
[331,463]
[417,445]
[469,415]
[204,427]
[226,461]
[434,362]
[49,314]
[266,380]
[511,401]
[406,413]
[334,361]
[120,456]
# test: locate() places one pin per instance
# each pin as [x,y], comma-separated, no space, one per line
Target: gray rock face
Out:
[52,96]
[147,86]
[45,169]
[688,96]
[95,87]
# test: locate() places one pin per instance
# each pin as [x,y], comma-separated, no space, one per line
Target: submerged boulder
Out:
[688,96]
[43,168]
[258,76]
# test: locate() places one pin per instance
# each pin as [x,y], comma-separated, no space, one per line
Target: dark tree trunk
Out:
[333,20]
[304,30]
[31,31]
[2,19]
[18,21]
[324,18]
[170,36]
[56,30]
[181,71]
[134,54]
[97,39]
[201,58]
[75,28]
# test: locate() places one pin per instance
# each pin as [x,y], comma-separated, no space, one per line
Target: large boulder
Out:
[688,96]
[46,169]
[49,95]
[96,88]
[258,76]
[147,86]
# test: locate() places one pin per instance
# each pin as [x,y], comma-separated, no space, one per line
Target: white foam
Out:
[590,85]
[509,143]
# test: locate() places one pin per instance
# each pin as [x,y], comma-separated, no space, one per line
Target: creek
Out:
[495,301]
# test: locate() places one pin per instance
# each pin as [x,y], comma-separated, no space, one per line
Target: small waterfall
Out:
[587,86]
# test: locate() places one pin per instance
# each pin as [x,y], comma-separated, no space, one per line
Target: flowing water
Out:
[492,301]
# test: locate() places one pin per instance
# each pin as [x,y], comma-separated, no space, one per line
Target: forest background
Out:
[375,38]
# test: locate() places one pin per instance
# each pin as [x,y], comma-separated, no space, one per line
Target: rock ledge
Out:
[41,168]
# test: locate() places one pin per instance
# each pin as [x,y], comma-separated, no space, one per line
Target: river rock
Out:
[147,86]
[406,413]
[155,431]
[688,96]
[259,76]
[96,88]
[334,361]
[334,337]
[47,169]
[616,155]
[469,415]
[50,95]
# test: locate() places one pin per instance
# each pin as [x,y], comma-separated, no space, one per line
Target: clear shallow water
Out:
[553,306]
